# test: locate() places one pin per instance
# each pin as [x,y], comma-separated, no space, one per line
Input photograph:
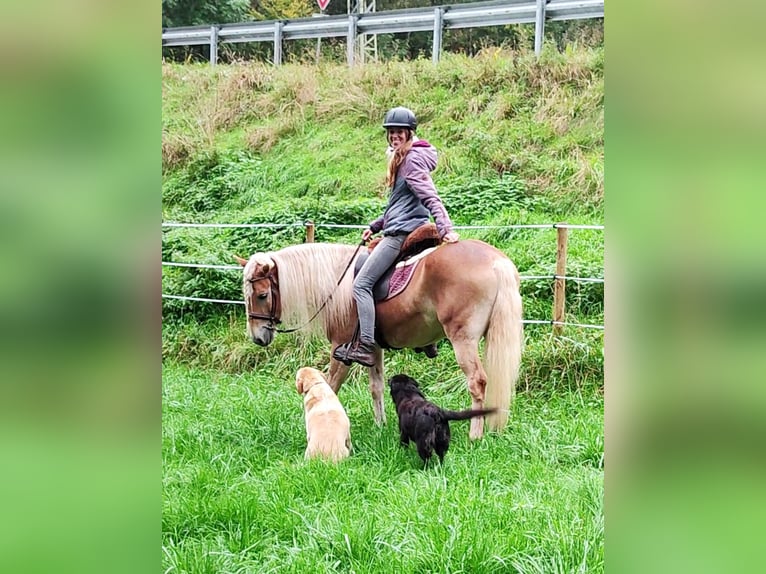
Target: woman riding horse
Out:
[412,195]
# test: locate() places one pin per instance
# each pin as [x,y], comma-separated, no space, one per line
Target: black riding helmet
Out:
[400,118]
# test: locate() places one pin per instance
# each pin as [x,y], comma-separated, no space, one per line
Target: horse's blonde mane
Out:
[308,274]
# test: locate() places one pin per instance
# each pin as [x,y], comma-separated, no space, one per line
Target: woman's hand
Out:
[451,237]
[366,234]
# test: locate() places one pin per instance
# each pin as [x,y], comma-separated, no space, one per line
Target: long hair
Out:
[308,274]
[504,340]
[396,160]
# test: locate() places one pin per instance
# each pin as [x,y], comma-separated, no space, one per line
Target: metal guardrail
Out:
[434,19]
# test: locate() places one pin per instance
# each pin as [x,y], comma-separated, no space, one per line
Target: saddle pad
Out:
[402,274]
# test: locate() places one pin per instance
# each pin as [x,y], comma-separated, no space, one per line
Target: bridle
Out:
[275,314]
[276,303]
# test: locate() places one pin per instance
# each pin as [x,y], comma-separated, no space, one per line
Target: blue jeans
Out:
[381,258]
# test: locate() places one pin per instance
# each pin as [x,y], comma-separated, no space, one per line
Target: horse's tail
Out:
[504,340]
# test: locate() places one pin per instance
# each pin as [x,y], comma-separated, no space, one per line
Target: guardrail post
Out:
[213,45]
[309,231]
[351,39]
[277,43]
[438,21]
[319,40]
[559,286]
[539,26]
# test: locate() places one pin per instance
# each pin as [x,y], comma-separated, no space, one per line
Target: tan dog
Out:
[328,429]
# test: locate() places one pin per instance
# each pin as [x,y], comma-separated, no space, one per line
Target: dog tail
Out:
[503,343]
[339,451]
[467,414]
[333,451]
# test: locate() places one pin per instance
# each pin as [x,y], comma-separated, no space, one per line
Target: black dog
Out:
[422,422]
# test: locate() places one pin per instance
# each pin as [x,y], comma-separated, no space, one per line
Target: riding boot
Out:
[341,353]
[362,353]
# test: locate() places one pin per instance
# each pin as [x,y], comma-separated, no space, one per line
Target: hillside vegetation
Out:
[520,140]
[317,129]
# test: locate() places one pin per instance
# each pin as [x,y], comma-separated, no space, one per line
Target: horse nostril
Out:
[262,339]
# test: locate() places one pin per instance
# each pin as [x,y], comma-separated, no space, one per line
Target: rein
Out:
[276,307]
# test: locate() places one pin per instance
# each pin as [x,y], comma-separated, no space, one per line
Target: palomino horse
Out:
[462,290]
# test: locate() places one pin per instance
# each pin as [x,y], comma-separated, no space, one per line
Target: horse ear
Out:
[241,261]
[265,262]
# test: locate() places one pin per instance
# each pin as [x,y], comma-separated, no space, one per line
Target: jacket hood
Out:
[390,150]
[426,153]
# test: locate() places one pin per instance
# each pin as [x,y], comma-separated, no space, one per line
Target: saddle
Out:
[418,244]
[420,239]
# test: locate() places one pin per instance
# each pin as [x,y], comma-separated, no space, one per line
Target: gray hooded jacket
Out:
[413,195]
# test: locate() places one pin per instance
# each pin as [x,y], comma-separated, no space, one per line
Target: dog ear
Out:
[299,381]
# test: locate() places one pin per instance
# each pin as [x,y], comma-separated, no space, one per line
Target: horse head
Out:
[260,287]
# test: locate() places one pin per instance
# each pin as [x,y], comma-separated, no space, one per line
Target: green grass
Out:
[238,495]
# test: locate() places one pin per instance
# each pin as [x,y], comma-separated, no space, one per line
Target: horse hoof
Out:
[477,429]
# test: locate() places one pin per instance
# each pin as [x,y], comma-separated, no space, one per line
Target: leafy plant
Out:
[475,200]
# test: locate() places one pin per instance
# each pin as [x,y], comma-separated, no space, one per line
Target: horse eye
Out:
[262,296]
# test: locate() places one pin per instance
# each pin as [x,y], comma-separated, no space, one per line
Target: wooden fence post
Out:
[559,286]
[309,232]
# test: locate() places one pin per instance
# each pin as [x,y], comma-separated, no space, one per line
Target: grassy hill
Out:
[520,141]
[317,129]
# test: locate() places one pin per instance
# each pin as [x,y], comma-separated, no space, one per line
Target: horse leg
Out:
[337,374]
[376,387]
[467,355]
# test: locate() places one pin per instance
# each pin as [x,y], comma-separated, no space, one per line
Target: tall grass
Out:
[238,495]
[500,111]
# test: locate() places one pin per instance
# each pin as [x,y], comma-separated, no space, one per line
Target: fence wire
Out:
[359,226]
[305,224]
[525,321]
